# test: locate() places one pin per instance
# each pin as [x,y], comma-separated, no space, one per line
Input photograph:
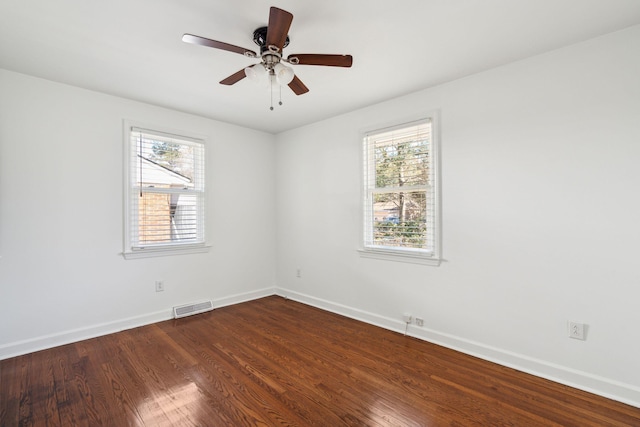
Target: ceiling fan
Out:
[272,39]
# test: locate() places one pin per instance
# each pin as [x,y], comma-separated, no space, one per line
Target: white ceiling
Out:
[133,48]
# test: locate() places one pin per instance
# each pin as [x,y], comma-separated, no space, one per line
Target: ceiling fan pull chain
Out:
[280,89]
[271,89]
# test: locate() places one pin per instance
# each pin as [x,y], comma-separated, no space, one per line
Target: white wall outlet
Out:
[159,285]
[577,330]
[298,272]
[407,317]
[419,321]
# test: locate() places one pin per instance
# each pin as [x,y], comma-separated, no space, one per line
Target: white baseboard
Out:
[244,297]
[74,335]
[67,337]
[622,392]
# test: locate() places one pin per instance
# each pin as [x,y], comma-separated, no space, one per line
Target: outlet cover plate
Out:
[577,331]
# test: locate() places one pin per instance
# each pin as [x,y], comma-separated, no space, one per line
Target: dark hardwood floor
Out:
[274,362]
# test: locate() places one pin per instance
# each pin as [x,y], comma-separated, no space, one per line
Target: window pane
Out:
[399,219]
[167,218]
[401,157]
[162,163]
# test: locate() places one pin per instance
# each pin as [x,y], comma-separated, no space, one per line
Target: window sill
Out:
[165,251]
[398,256]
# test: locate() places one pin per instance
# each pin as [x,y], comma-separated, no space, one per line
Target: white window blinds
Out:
[166,190]
[399,204]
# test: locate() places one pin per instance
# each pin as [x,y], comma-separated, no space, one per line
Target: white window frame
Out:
[410,255]
[131,249]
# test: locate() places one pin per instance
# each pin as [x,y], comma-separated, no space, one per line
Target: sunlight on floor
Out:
[383,415]
[177,404]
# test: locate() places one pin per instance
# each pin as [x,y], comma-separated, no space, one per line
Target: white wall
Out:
[541,217]
[62,277]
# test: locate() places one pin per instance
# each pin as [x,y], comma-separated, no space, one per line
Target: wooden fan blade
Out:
[318,59]
[234,78]
[190,38]
[278,28]
[297,86]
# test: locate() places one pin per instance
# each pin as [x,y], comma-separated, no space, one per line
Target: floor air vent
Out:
[190,309]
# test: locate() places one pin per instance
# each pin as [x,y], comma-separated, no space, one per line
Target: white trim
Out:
[74,335]
[616,390]
[150,252]
[173,134]
[399,256]
[437,182]
[244,297]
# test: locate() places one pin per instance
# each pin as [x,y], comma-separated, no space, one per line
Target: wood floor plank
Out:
[27,389]
[67,395]
[45,400]
[275,362]
[9,392]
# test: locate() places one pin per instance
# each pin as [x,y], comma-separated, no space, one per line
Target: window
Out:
[165,193]
[401,198]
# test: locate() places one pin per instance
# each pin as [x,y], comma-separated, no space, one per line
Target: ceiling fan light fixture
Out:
[284,74]
[256,73]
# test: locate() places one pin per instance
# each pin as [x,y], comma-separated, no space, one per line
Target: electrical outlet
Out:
[159,286]
[419,321]
[407,317]
[577,331]
[298,273]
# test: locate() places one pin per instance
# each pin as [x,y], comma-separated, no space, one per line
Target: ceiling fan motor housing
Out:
[260,38]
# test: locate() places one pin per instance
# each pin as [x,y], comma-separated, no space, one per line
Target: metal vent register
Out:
[191,309]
